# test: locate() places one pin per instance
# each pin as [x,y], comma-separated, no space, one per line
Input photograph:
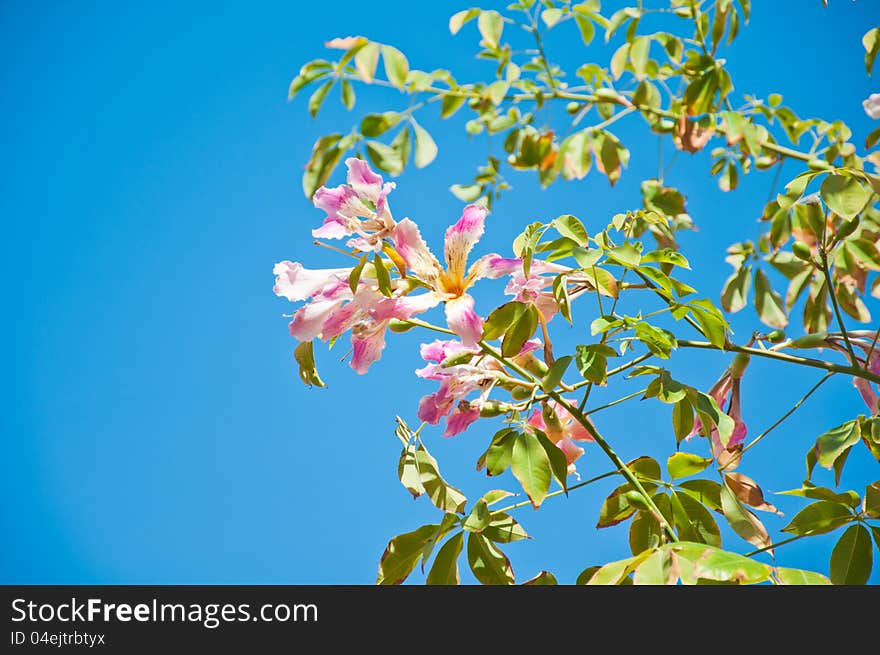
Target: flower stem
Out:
[558,492]
[772,546]
[789,412]
[833,296]
[618,462]
[855,371]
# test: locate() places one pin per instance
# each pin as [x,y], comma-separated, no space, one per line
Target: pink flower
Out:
[462,370]
[561,428]
[452,282]
[727,387]
[872,105]
[332,309]
[358,209]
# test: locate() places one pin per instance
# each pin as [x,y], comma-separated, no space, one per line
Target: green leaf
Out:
[682,465]
[366,60]
[460,18]
[682,419]
[497,457]
[665,389]
[569,226]
[818,518]
[871,42]
[832,444]
[694,522]
[585,575]
[585,25]
[852,557]
[503,529]
[768,302]
[707,492]
[554,375]
[626,254]
[710,414]
[657,569]
[305,358]
[445,568]
[800,577]
[666,256]
[638,55]
[451,103]
[348,96]
[743,522]
[479,517]
[502,318]
[383,278]
[711,321]
[613,573]
[644,533]
[374,125]
[616,507]
[810,490]
[489,565]
[396,65]
[872,500]
[735,293]
[385,157]
[658,340]
[724,566]
[317,98]
[560,294]
[326,153]
[520,332]
[531,466]
[426,148]
[845,195]
[551,16]
[558,461]
[543,579]
[402,553]
[592,361]
[442,494]
[491,24]
[408,471]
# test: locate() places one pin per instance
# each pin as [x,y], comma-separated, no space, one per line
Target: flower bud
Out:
[763,163]
[492,408]
[396,325]
[816,164]
[738,365]
[802,251]
[455,360]
[532,364]
[572,107]
[817,340]
[776,336]
[520,393]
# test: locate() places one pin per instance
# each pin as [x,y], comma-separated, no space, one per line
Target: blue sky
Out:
[154,428]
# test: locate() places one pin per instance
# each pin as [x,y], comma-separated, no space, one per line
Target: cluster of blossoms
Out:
[353,300]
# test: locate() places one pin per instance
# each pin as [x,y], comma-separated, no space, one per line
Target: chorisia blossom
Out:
[461,370]
[358,209]
[335,303]
[333,308]
[563,429]
[727,388]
